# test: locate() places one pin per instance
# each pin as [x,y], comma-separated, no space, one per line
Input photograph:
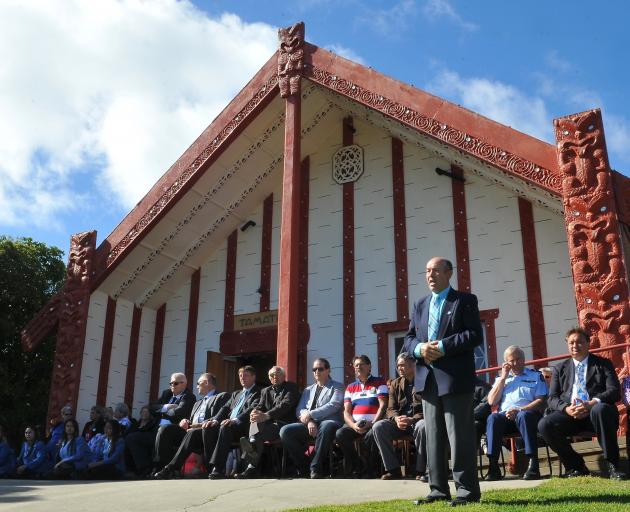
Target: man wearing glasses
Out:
[319,416]
[275,409]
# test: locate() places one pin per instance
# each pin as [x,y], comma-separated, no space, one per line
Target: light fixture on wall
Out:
[248,224]
[442,172]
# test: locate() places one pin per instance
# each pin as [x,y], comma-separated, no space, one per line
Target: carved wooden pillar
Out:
[290,66]
[593,231]
[73,313]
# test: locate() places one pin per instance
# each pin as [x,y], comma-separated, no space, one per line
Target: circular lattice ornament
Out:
[347,164]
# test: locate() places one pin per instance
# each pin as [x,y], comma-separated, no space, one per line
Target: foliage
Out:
[30,274]
[555,495]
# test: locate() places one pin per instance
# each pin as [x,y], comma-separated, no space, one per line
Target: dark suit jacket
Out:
[460,331]
[184,406]
[601,382]
[215,402]
[250,402]
[398,400]
[280,402]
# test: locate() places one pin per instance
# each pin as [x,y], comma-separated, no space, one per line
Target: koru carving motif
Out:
[75,301]
[347,164]
[290,59]
[42,324]
[593,231]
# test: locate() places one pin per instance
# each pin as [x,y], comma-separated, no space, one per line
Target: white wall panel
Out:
[175,331]
[120,352]
[556,283]
[248,251]
[496,261]
[144,361]
[91,355]
[275,248]
[211,307]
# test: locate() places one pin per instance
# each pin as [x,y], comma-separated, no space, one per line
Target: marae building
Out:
[299,224]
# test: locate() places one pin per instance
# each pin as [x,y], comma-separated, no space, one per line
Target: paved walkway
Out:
[207,496]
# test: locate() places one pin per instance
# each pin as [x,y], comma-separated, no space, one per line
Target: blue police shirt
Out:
[521,390]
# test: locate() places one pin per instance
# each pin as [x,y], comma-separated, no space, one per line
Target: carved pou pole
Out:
[290,59]
[593,232]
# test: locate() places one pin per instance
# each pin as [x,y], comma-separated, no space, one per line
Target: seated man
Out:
[319,414]
[174,443]
[230,423]
[582,396]
[174,405]
[121,415]
[275,409]
[520,394]
[365,402]
[404,418]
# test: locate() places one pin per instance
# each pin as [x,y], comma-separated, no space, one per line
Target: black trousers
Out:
[217,442]
[139,447]
[167,442]
[345,437]
[191,443]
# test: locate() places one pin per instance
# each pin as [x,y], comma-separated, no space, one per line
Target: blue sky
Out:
[98,99]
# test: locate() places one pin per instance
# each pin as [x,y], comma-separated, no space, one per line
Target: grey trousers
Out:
[385,432]
[448,420]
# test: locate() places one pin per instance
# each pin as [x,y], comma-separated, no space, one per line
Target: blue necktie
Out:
[201,415]
[580,379]
[434,318]
[239,405]
[172,400]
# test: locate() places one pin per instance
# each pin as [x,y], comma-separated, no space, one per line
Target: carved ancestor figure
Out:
[290,59]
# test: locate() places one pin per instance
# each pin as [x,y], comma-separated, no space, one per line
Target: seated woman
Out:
[141,439]
[96,423]
[110,461]
[121,415]
[74,454]
[7,456]
[33,460]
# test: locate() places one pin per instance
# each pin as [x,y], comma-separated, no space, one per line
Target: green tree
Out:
[30,274]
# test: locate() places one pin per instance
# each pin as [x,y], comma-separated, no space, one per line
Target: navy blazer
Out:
[184,407]
[248,406]
[601,382]
[460,331]
[215,402]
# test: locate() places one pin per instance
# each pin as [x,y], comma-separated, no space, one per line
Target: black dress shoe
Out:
[392,474]
[250,472]
[493,475]
[430,499]
[458,502]
[574,473]
[315,475]
[216,476]
[614,473]
[164,474]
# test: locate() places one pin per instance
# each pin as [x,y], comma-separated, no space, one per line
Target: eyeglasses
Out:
[319,369]
[174,383]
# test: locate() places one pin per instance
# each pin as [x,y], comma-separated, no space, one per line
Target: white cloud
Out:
[617,131]
[390,22]
[437,9]
[346,53]
[120,88]
[500,102]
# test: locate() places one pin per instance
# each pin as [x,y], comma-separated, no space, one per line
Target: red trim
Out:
[502,147]
[250,341]
[106,351]
[400,231]
[488,316]
[348,264]
[191,334]
[288,298]
[156,359]
[532,280]
[303,276]
[382,343]
[461,229]
[132,358]
[265,258]
[230,283]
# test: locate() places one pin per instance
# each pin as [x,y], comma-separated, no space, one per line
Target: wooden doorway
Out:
[226,368]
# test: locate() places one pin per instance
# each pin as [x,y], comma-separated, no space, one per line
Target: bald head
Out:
[438,273]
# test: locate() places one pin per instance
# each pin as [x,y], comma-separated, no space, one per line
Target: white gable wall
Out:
[175,331]
[142,381]
[117,376]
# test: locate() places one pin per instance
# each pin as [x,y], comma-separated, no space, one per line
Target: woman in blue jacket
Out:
[33,460]
[110,462]
[74,454]
[7,456]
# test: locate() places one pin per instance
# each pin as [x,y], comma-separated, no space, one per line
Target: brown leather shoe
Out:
[392,474]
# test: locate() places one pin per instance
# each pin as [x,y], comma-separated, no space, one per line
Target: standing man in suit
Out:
[582,396]
[444,330]
[275,409]
[230,423]
[174,443]
[320,416]
[174,405]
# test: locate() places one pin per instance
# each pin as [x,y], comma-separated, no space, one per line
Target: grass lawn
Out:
[556,495]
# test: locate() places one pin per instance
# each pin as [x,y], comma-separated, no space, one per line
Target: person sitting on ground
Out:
[520,394]
[33,460]
[174,405]
[147,424]
[176,442]
[109,463]
[121,415]
[320,416]
[275,409]
[583,395]
[57,432]
[365,403]
[74,454]
[96,423]
[230,423]
[7,456]
[404,418]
